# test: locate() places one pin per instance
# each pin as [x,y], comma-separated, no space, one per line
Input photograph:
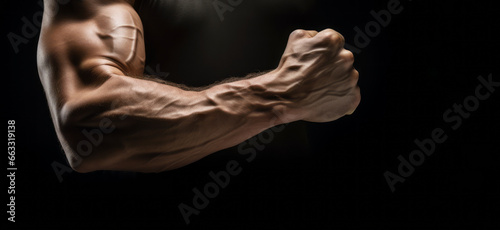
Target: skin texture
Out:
[109,117]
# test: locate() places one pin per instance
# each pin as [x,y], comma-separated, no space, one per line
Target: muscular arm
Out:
[108,118]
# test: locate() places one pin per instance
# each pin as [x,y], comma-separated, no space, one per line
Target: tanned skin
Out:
[91,59]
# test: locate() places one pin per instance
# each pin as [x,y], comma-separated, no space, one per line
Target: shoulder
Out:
[112,36]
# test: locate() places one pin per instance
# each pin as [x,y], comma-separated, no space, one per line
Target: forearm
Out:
[158,127]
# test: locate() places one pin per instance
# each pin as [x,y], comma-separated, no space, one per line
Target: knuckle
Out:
[328,33]
[298,33]
[334,37]
[329,36]
[347,56]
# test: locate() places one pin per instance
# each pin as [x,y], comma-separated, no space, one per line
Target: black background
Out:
[428,58]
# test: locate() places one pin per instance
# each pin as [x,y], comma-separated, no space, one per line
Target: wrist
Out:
[274,87]
[254,99]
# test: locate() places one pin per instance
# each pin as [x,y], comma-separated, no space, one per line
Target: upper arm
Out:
[76,56]
[109,40]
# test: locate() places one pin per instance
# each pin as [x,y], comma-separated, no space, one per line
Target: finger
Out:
[331,37]
[331,32]
[299,33]
[346,57]
[311,33]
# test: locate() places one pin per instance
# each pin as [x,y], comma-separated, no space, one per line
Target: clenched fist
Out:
[316,77]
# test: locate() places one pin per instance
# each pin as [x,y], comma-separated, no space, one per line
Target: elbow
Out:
[83,141]
[82,155]
[81,165]
[93,141]
[87,152]
[84,161]
[77,162]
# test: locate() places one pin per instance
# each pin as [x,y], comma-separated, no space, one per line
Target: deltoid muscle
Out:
[123,37]
[131,39]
